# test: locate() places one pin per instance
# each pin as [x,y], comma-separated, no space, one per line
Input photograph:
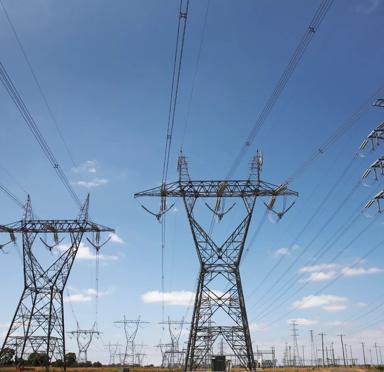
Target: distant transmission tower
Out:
[84,339]
[130,331]
[313,350]
[164,355]
[286,361]
[38,323]
[174,357]
[296,353]
[112,349]
[220,262]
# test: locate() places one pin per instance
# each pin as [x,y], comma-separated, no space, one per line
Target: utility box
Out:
[218,363]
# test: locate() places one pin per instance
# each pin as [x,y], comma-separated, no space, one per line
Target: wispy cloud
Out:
[89,166]
[368,6]
[323,272]
[285,250]
[319,267]
[258,327]
[351,271]
[86,253]
[86,295]
[116,238]
[95,182]
[281,252]
[338,323]
[87,170]
[320,276]
[303,321]
[325,302]
[177,298]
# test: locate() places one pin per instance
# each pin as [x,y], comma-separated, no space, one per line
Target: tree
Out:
[57,363]
[71,360]
[38,359]
[6,356]
[97,364]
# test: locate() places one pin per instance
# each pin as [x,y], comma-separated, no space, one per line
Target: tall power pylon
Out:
[38,323]
[84,339]
[130,331]
[219,263]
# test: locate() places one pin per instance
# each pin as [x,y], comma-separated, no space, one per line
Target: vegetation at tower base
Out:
[71,360]
[37,359]
[6,356]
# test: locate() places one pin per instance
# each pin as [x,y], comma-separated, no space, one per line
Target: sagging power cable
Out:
[39,87]
[32,125]
[176,73]
[294,61]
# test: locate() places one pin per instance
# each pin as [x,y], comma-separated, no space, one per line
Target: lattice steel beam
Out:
[219,262]
[38,323]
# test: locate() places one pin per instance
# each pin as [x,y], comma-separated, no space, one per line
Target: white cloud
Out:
[338,323]
[178,298]
[285,251]
[89,166]
[86,253]
[335,307]
[326,302]
[351,271]
[281,252]
[320,276]
[78,297]
[92,183]
[319,267]
[323,272]
[116,238]
[361,304]
[258,327]
[303,321]
[86,295]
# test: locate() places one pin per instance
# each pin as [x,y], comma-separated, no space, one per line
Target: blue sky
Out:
[105,68]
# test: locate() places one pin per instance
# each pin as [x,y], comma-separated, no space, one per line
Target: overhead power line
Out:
[11,196]
[294,61]
[197,65]
[327,285]
[39,87]
[16,98]
[288,284]
[177,64]
[336,135]
[302,231]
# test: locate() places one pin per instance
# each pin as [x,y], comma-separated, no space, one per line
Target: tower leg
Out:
[204,331]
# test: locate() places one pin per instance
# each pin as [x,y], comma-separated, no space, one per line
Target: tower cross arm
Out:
[217,188]
[54,226]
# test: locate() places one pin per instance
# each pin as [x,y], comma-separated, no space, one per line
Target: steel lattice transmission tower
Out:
[219,262]
[172,355]
[84,339]
[131,328]
[38,323]
[295,347]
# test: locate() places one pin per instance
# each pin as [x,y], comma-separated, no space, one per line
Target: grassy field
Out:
[143,369]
